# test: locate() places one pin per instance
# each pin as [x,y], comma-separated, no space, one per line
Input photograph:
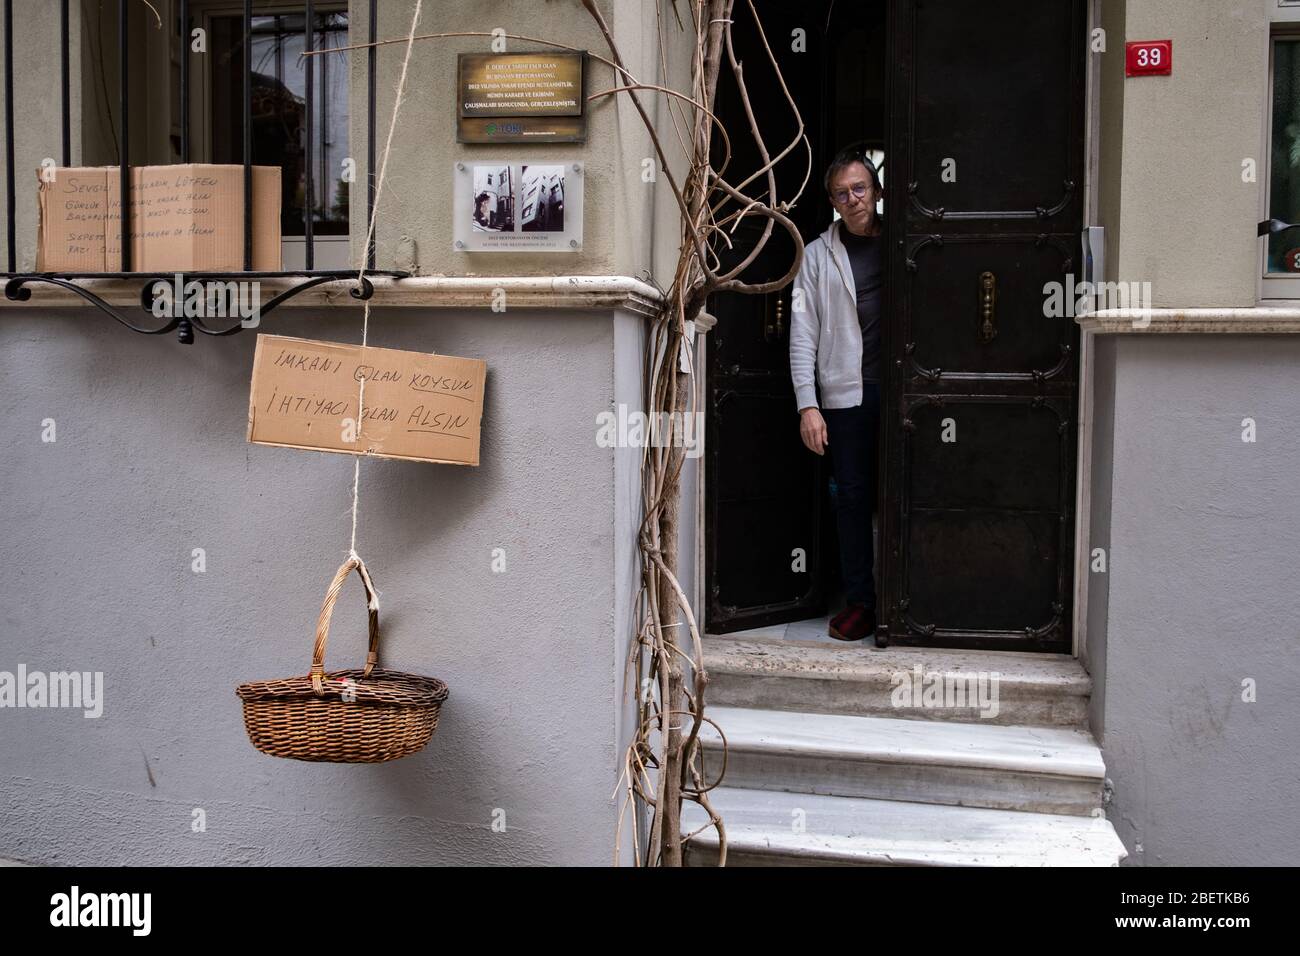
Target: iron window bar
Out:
[17,285]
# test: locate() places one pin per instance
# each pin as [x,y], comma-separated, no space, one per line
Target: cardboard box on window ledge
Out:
[184,218]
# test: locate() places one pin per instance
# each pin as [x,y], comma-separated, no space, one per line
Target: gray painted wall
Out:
[151,461]
[1203,539]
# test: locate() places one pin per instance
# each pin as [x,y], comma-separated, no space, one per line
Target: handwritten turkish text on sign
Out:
[417,406]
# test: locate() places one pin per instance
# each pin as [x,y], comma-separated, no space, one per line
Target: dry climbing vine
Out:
[664,761]
[663,765]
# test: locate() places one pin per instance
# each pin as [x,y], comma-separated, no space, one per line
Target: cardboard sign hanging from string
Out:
[417,406]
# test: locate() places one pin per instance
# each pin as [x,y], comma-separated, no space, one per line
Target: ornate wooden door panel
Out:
[979,436]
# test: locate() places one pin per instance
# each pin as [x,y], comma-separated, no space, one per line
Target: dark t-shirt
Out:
[867,259]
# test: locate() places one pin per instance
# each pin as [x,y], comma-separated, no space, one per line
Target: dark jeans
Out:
[852,434]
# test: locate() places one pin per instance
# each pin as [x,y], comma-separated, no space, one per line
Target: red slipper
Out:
[853,623]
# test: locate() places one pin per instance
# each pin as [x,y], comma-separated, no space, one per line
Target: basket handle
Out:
[353,562]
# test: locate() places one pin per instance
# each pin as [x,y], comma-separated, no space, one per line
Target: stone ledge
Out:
[1258,320]
[431,292]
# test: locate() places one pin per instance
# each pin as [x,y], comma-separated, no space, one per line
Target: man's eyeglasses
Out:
[842,196]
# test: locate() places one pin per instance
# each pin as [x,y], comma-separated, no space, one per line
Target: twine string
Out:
[361,271]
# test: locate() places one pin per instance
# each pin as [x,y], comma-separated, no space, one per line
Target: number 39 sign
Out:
[1149,58]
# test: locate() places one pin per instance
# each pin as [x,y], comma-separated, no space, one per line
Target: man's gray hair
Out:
[857,153]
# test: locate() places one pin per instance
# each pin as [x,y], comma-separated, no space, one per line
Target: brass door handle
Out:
[988,303]
[780,315]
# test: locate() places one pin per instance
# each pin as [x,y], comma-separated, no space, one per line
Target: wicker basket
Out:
[351,716]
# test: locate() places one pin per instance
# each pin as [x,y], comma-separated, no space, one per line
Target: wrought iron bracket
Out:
[17,290]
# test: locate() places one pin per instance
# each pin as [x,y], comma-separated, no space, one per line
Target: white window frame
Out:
[1284,24]
[1273,285]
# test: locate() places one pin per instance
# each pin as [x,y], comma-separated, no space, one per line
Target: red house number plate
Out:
[1149,58]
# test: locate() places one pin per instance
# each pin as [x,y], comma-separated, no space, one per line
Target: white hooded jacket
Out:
[825,338]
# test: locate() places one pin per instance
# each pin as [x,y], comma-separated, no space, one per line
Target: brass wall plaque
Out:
[521,97]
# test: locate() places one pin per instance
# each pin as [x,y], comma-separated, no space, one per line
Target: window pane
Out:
[1284,191]
[280,111]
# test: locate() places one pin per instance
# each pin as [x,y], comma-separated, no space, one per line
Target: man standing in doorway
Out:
[835,345]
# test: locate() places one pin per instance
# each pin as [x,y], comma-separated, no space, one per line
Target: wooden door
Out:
[979,421]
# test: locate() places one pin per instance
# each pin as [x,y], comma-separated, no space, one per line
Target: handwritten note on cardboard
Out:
[417,406]
[183,218]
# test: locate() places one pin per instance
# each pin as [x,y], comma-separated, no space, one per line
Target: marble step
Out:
[772,828]
[1038,769]
[1020,688]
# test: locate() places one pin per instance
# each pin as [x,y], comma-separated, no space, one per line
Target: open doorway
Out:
[978,111]
[834,59]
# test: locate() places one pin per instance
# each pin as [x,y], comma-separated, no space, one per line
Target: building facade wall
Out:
[151,462]
[1186,217]
[1197,526]
[618,194]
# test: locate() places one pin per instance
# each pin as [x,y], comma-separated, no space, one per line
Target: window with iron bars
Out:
[208,81]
